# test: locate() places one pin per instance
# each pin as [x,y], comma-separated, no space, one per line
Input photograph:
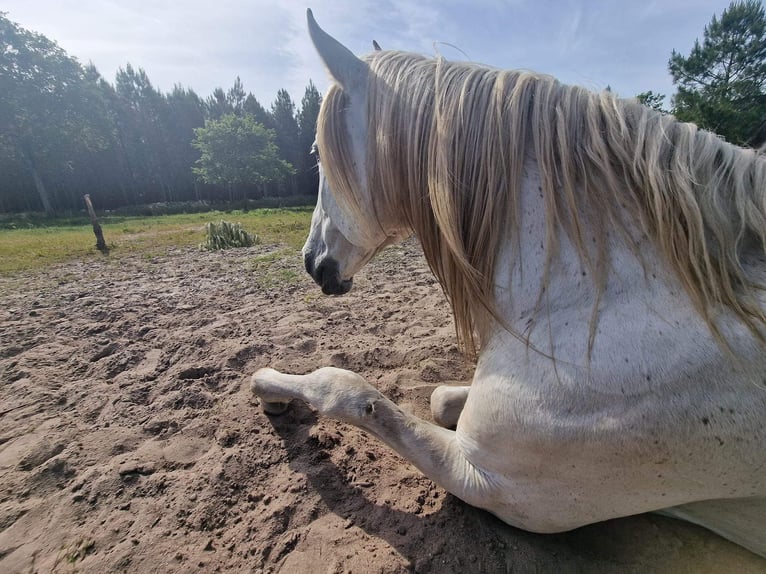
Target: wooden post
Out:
[100,243]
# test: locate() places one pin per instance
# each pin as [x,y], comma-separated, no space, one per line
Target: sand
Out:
[129,441]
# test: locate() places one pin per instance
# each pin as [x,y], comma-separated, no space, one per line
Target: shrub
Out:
[225,235]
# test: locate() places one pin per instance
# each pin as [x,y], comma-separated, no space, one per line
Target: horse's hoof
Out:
[274,409]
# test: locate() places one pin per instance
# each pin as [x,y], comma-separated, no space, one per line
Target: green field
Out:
[35,248]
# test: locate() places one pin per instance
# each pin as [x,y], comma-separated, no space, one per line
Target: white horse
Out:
[606,262]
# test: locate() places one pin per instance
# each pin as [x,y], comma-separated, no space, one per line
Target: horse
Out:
[605,265]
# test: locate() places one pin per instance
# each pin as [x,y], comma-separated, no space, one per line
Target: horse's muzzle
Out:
[327,276]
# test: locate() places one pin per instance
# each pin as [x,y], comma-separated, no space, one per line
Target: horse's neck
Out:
[643,313]
[558,301]
[524,266]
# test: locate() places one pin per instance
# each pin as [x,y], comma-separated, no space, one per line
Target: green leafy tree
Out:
[237,151]
[46,107]
[721,82]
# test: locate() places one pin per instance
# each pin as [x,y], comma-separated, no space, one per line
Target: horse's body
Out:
[600,390]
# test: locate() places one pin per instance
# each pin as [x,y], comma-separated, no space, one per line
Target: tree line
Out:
[65,131]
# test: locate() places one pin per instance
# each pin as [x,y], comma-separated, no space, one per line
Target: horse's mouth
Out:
[337,286]
[327,276]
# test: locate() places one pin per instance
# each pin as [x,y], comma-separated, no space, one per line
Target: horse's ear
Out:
[345,68]
[376,46]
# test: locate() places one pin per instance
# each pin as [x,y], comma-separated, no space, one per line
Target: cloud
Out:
[203,44]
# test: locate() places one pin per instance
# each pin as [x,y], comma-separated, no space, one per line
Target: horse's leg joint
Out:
[447,403]
[264,384]
[274,408]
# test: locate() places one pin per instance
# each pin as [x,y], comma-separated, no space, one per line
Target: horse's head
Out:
[347,228]
[329,256]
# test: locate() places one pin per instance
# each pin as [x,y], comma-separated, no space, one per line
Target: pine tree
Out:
[307,126]
[236,97]
[218,105]
[287,133]
[652,100]
[255,109]
[142,112]
[721,82]
[185,113]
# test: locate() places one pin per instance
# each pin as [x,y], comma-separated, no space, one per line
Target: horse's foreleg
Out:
[447,403]
[333,392]
[346,396]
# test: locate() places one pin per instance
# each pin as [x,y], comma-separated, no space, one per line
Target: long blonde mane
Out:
[446,150]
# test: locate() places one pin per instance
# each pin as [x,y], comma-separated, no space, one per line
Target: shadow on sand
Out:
[461,538]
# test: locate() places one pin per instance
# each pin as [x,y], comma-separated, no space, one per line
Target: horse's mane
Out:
[448,141]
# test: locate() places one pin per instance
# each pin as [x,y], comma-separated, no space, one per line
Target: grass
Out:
[77,550]
[268,274]
[37,248]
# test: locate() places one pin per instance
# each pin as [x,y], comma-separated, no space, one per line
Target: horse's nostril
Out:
[308,262]
[324,272]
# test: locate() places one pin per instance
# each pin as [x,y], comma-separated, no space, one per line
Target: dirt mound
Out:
[129,441]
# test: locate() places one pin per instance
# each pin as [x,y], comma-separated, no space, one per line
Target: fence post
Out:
[100,243]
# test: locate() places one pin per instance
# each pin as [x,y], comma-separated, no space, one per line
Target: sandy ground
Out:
[129,441]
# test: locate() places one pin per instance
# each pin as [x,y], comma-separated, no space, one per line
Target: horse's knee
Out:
[340,394]
[447,403]
[333,392]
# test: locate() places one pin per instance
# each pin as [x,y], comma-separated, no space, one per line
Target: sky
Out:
[207,44]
